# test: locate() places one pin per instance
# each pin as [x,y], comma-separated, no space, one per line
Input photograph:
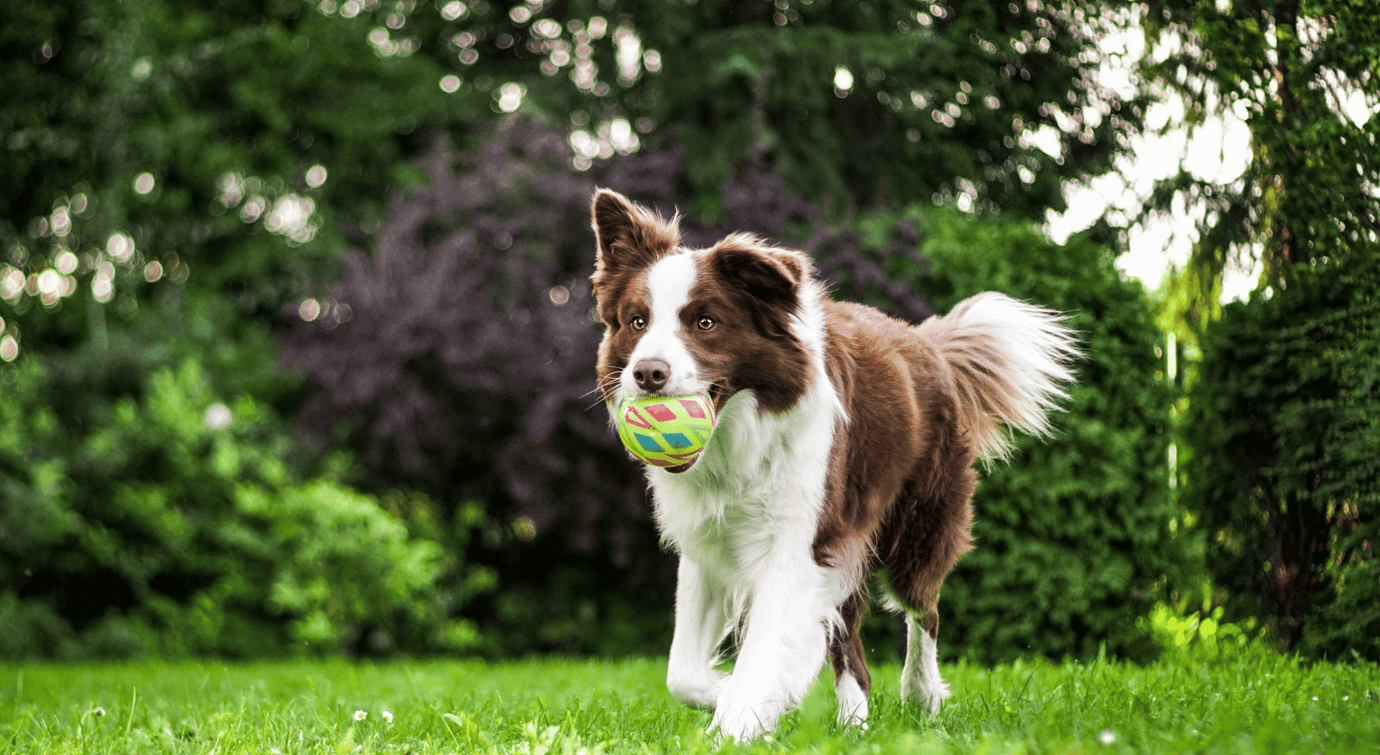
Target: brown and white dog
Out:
[845,445]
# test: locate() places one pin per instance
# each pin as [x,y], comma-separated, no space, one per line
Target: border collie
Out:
[844,447]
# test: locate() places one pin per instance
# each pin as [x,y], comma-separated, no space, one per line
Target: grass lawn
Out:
[1257,703]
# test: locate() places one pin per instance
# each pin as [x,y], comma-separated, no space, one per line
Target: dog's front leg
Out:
[782,650]
[701,624]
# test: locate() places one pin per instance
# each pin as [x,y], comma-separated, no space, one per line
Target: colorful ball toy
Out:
[665,431]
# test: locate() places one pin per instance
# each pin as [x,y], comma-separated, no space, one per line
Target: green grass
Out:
[1256,703]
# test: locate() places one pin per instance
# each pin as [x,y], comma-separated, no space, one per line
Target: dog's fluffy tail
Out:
[1009,360]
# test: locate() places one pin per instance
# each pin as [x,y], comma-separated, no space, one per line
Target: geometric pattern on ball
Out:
[665,431]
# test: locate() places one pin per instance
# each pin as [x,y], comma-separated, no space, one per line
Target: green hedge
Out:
[1075,538]
[1285,474]
[174,527]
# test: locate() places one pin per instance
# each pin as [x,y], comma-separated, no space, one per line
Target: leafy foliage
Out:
[1073,535]
[1196,635]
[174,527]
[1285,421]
[148,140]
[1281,422]
[239,148]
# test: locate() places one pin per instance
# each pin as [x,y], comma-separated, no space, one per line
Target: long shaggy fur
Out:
[1009,360]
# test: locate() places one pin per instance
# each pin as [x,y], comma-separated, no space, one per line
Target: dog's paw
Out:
[699,690]
[742,715]
[852,702]
[741,726]
[855,719]
[929,692]
[933,698]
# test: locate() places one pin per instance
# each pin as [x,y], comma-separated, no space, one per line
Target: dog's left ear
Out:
[770,280]
[770,276]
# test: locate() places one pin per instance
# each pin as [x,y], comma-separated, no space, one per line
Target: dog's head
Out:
[681,321]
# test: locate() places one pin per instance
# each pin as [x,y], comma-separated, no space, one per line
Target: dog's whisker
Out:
[595,389]
[591,406]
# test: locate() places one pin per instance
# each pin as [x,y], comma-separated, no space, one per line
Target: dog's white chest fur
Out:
[759,484]
[744,519]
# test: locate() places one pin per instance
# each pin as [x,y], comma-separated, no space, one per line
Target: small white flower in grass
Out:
[1315,698]
[360,715]
[99,711]
[388,715]
[274,751]
[1346,697]
[1106,737]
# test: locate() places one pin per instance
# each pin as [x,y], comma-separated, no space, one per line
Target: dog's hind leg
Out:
[701,624]
[926,533]
[852,682]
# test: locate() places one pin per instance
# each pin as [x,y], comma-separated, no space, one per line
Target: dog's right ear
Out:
[629,235]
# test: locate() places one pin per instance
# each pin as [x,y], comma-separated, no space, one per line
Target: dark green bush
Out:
[174,527]
[1073,535]
[1285,474]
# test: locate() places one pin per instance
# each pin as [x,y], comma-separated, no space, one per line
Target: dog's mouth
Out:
[718,396]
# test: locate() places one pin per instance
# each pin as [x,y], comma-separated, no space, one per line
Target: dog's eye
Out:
[705,323]
[638,323]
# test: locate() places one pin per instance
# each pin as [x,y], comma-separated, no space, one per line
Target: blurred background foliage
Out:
[1282,415]
[1288,398]
[298,351]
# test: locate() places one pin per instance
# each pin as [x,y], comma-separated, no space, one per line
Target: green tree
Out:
[238,148]
[148,141]
[1285,422]
[1283,399]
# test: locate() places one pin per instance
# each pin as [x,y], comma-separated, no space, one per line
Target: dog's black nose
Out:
[651,374]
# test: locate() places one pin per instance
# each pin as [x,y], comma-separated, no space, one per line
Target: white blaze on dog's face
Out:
[684,322]
[662,348]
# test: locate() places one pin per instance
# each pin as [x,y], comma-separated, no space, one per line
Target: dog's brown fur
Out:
[901,479]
